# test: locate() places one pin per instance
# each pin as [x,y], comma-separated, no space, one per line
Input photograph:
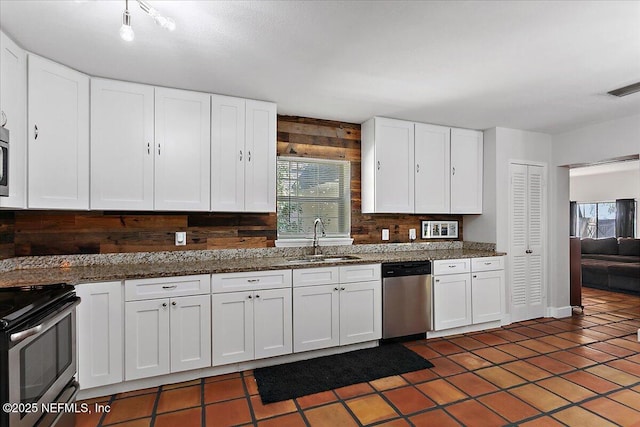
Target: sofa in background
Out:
[611,263]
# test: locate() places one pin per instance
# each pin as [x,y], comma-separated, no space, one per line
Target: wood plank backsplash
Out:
[25,233]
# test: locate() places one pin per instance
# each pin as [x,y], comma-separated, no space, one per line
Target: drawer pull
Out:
[452,266]
[173,303]
[488,263]
[253,280]
[169,286]
[164,304]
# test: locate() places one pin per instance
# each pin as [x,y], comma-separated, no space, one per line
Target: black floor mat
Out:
[291,380]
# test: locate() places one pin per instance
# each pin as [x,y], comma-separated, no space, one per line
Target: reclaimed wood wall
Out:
[24,233]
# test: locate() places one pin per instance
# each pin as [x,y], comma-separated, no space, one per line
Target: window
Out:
[313,188]
[596,220]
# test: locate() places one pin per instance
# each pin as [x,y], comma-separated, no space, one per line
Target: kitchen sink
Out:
[322,258]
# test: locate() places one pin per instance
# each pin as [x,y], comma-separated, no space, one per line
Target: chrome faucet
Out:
[315,235]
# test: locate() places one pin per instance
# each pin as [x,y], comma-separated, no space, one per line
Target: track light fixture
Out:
[126,32]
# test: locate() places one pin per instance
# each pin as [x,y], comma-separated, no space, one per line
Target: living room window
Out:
[313,188]
[598,220]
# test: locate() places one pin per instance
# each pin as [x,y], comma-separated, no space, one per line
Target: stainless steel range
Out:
[38,356]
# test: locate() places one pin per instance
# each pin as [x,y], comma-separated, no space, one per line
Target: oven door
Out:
[42,361]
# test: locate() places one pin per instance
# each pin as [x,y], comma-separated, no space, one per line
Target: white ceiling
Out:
[541,66]
[606,168]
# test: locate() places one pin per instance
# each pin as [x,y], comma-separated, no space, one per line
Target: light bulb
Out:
[126,32]
[170,24]
[160,20]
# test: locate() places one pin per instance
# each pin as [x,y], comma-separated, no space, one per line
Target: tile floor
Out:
[579,371]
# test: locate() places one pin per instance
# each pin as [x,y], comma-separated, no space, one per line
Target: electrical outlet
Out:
[412,234]
[385,234]
[181,238]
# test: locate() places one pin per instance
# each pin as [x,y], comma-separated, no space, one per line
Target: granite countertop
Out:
[156,266]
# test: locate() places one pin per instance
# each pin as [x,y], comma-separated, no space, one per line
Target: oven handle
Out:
[16,337]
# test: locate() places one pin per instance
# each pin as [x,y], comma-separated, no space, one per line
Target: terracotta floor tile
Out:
[508,406]
[626,366]
[370,409]
[186,418]
[388,383]
[538,397]
[316,399]
[136,392]
[445,347]
[130,408]
[490,339]
[145,422]
[572,359]
[471,413]
[231,412]
[566,389]
[599,336]
[469,361]
[468,343]
[472,384]
[592,353]
[627,397]
[545,421]
[510,336]
[223,390]
[613,375]
[444,367]
[494,355]
[441,392]
[577,416]
[613,411]
[271,409]
[408,400]
[179,398]
[223,377]
[354,390]
[611,349]
[526,370]
[538,346]
[425,352]
[251,384]
[577,338]
[500,377]
[634,359]
[437,417]
[558,342]
[419,376]
[611,330]
[590,381]
[395,423]
[179,385]
[517,350]
[330,416]
[289,420]
[88,419]
[551,365]
[529,332]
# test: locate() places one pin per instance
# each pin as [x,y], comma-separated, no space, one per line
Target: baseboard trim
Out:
[559,312]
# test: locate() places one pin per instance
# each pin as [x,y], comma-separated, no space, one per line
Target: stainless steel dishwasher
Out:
[406,300]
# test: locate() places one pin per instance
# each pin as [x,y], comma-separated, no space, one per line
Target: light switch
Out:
[181,238]
[385,234]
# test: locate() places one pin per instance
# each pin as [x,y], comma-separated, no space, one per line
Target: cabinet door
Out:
[227,153]
[451,301]
[232,327]
[466,171]
[433,180]
[316,316]
[360,312]
[58,135]
[121,145]
[182,150]
[13,107]
[260,165]
[487,295]
[190,332]
[99,328]
[272,320]
[146,338]
[394,163]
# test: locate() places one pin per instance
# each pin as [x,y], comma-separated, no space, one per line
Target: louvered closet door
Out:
[526,213]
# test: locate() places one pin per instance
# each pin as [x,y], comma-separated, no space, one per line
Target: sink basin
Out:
[321,258]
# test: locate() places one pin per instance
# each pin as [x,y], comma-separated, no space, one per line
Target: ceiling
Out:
[606,168]
[541,66]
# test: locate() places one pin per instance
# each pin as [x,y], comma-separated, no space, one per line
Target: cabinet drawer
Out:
[487,263]
[359,273]
[451,266]
[316,276]
[164,287]
[250,280]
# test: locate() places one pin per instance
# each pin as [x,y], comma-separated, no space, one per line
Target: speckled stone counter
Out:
[76,269]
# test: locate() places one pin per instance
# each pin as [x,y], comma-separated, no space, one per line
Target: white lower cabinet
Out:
[328,315]
[251,324]
[99,334]
[487,288]
[170,334]
[451,301]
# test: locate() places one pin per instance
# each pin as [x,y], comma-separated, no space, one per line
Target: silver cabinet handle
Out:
[488,263]
[164,304]
[35,131]
[249,155]
[342,289]
[148,148]
[169,286]
[378,164]
[336,289]
[452,266]
[454,170]
[173,303]
[475,276]
[250,297]
[528,251]
[4,119]
[240,155]
[437,280]
[257,296]
[158,149]
[417,167]
[253,280]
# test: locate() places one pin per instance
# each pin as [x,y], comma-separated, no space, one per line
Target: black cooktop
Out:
[16,304]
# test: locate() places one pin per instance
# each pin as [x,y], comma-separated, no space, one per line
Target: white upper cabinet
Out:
[388,156]
[182,126]
[122,145]
[13,110]
[433,180]
[243,155]
[58,136]
[418,168]
[466,171]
